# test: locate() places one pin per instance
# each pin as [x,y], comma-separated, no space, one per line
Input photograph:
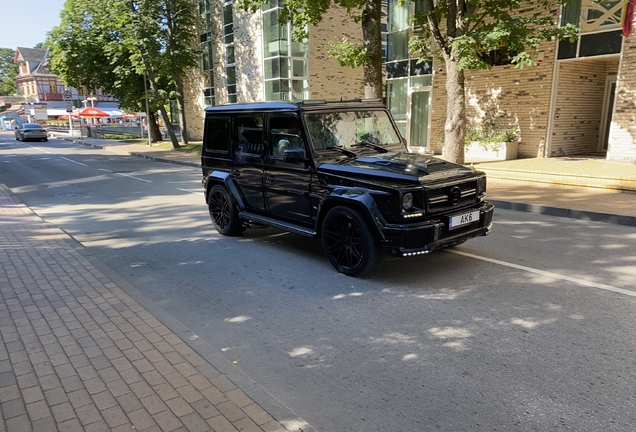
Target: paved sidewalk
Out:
[530,185]
[77,353]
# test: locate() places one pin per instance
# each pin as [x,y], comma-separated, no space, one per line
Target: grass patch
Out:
[193,147]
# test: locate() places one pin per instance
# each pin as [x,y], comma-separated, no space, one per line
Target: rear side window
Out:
[217,133]
[250,134]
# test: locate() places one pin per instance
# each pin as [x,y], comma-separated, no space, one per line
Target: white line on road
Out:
[189,190]
[108,171]
[133,177]
[578,281]
[75,162]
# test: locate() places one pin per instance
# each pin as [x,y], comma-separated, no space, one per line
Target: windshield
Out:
[351,129]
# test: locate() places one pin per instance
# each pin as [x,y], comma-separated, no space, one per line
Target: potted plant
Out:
[487,143]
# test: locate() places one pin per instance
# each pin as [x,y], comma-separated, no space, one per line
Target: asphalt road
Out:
[530,328]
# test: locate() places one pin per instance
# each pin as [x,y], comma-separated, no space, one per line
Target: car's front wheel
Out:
[349,243]
[223,212]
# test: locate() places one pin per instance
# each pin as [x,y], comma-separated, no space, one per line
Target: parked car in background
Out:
[341,172]
[30,131]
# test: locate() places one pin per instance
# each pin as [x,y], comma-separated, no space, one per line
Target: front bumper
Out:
[425,237]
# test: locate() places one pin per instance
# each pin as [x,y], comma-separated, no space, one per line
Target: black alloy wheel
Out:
[349,243]
[223,212]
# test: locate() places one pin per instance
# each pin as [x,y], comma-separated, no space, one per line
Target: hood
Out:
[401,167]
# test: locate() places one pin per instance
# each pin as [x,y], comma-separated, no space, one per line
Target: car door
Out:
[288,174]
[249,159]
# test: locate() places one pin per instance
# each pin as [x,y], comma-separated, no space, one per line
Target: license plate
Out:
[464,219]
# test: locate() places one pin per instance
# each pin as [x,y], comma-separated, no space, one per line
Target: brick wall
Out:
[510,96]
[578,107]
[329,80]
[622,142]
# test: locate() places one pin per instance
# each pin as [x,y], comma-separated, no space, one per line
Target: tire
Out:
[223,212]
[349,243]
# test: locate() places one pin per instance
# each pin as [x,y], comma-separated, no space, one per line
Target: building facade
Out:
[38,85]
[580,99]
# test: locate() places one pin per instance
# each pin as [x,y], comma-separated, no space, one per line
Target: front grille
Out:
[440,198]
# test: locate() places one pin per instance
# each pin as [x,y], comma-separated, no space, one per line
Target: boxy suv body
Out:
[339,171]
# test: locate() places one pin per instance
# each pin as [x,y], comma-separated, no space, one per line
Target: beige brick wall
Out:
[578,108]
[194,104]
[328,80]
[509,95]
[622,142]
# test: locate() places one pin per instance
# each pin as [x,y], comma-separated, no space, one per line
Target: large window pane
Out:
[396,95]
[300,68]
[272,68]
[397,46]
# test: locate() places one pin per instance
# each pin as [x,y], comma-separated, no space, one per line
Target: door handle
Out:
[270,179]
[236,173]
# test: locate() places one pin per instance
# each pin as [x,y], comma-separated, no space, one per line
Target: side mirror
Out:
[294,155]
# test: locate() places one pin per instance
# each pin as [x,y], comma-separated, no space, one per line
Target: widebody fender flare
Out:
[221,177]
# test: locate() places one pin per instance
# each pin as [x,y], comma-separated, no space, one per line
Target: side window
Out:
[250,134]
[217,134]
[284,134]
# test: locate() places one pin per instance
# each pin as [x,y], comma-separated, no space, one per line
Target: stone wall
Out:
[248,53]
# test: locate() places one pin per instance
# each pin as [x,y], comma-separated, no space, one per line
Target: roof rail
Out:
[312,102]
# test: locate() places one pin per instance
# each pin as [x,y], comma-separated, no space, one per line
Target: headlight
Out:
[481,185]
[407,201]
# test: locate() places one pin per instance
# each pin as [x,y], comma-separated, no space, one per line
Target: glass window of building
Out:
[285,61]
[205,41]
[230,66]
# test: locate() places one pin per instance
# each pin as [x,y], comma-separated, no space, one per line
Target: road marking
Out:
[108,171]
[191,191]
[133,177]
[577,281]
[75,162]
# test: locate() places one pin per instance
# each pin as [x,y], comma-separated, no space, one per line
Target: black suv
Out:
[340,171]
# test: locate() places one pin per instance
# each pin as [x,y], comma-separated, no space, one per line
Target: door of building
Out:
[608,109]
[417,128]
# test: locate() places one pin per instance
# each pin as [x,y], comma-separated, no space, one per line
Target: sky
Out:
[24,23]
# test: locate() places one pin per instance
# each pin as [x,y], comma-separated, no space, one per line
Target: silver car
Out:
[30,131]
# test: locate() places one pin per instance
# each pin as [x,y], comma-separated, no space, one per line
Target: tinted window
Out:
[284,134]
[250,134]
[217,133]
[33,126]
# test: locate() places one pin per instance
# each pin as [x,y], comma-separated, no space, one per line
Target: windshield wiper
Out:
[379,148]
[344,151]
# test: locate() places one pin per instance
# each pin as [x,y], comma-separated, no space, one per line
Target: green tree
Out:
[303,13]
[462,30]
[8,72]
[118,44]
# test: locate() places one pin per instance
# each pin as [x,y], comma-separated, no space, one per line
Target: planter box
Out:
[493,151]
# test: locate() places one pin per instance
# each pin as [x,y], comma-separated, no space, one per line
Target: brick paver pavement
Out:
[79,354]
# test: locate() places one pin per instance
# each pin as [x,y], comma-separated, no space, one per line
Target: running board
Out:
[285,226]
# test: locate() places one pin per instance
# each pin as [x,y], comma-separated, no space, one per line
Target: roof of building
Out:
[39,55]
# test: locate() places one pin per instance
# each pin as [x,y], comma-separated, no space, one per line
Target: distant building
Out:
[37,84]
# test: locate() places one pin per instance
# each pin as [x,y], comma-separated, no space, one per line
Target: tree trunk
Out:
[455,128]
[371,35]
[155,132]
[178,86]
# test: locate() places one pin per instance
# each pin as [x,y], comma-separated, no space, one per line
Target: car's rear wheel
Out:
[223,212]
[349,243]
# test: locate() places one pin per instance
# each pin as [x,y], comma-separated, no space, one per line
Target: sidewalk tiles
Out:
[77,353]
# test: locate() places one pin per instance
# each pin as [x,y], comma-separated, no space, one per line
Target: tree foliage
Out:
[8,72]
[304,13]
[461,31]
[118,44]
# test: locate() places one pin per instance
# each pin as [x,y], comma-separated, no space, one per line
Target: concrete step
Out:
[592,181]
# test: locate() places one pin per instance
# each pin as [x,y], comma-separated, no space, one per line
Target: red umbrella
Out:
[92,112]
[128,116]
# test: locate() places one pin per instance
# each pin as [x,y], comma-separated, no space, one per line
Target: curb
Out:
[564,212]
